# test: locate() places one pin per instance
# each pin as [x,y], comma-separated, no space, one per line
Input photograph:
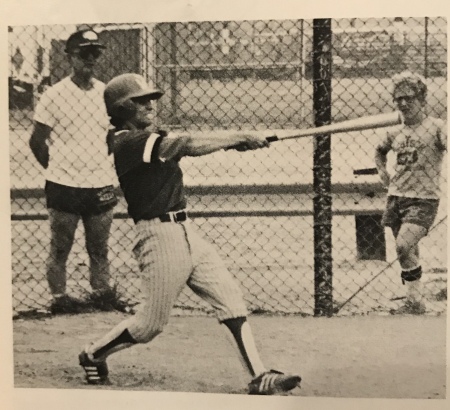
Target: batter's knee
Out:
[149,335]
[144,333]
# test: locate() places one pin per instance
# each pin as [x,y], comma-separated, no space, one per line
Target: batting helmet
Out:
[121,90]
[415,81]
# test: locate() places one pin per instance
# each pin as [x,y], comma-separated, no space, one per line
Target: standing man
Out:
[68,140]
[170,252]
[414,188]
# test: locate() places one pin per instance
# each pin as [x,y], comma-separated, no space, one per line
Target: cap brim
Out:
[153,92]
[97,45]
[91,45]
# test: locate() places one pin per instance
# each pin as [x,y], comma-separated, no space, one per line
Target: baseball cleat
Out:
[273,382]
[96,371]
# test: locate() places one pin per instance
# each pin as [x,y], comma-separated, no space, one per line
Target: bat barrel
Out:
[365,123]
[357,124]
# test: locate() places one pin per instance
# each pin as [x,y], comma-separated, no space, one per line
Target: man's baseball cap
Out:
[83,38]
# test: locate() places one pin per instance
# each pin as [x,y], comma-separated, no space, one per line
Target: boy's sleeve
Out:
[131,149]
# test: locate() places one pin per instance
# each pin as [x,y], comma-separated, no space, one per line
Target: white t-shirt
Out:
[77,144]
[419,152]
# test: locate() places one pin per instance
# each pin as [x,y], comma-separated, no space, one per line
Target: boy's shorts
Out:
[418,211]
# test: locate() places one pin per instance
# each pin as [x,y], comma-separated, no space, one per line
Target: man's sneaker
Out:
[107,301]
[273,382]
[412,308]
[96,371]
[65,304]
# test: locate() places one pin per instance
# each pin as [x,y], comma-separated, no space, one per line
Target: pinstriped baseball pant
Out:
[171,255]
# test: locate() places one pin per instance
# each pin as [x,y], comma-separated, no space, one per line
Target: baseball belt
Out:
[176,217]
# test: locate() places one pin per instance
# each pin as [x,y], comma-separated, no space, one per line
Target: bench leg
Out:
[370,237]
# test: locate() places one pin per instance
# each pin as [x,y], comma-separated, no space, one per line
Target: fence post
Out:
[321,62]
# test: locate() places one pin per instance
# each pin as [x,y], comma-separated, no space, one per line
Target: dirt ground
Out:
[349,357]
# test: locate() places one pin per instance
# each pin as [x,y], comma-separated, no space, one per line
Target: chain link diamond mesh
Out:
[256,208]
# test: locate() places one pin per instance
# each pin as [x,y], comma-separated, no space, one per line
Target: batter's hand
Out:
[252,142]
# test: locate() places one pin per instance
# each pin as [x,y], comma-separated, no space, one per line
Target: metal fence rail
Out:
[258,207]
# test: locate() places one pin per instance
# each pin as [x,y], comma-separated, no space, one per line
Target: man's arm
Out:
[38,143]
[442,137]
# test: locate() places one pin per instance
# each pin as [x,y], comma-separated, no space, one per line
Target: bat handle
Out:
[271,138]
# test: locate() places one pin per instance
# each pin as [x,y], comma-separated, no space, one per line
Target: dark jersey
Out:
[152,186]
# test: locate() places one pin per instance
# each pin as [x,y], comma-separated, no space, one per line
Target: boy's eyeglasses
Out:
[86,52]
[406,98]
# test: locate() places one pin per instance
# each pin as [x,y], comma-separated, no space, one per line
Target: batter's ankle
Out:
[242,334]
[123,340]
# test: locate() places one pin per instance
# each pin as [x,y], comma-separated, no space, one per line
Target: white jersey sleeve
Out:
[44,110]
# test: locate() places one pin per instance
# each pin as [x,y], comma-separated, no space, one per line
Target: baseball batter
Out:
[170,252]
[414,188]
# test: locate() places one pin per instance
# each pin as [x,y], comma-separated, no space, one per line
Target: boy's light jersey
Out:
[419,151]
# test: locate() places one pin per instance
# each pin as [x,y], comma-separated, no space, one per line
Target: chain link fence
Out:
[256,207]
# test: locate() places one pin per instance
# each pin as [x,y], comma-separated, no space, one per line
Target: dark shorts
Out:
[80,201]
[416,211]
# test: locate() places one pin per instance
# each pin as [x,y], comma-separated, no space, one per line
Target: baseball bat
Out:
[356,124]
